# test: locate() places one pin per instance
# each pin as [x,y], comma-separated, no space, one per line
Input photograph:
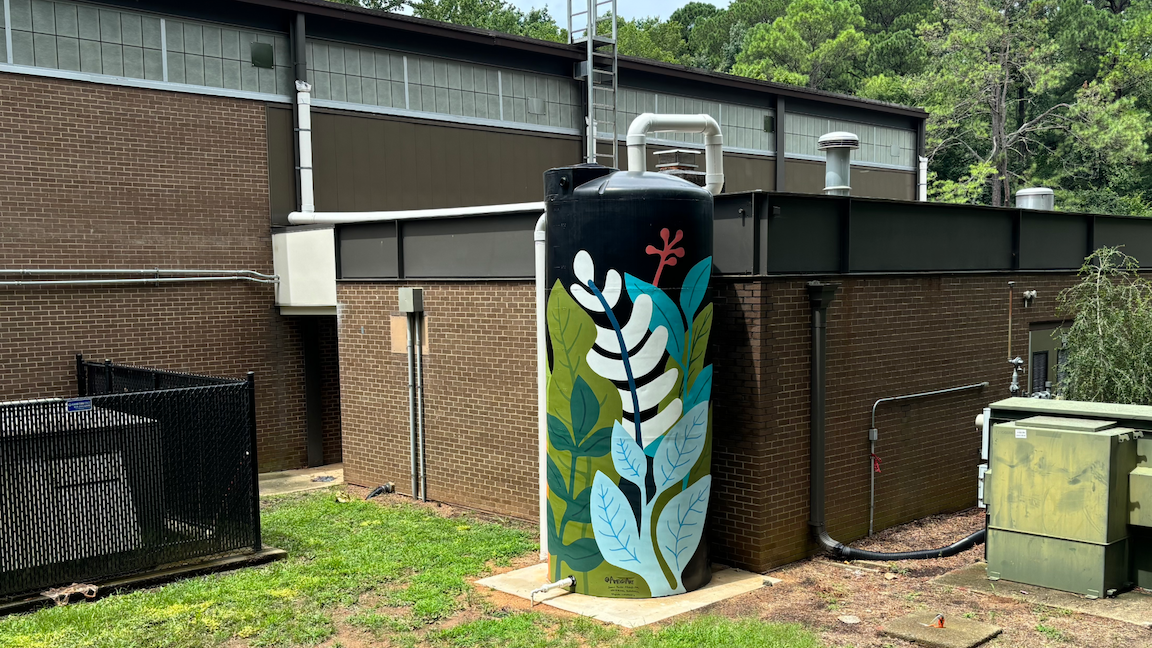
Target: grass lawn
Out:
[359,573]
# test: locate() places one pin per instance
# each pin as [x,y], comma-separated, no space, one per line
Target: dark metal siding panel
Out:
[1135,234]
[807,176]
[281,171]
[917,236]
[499,246]
[1051,240]
[741,172]
[804,176]
[325,162]
[734,239]
[368,251]
[804,236]
[747,173]
[870,182]
[376,164]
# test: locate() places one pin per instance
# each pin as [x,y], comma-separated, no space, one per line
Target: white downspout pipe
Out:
[336,218]
[304,133]
[713,143]
[922,180]
[542,378]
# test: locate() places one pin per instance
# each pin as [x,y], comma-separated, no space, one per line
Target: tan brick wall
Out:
[97,176]
[887,336]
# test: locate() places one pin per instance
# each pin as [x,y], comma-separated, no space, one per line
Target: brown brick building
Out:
[160,134]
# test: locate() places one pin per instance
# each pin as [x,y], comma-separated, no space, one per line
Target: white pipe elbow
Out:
[652,123]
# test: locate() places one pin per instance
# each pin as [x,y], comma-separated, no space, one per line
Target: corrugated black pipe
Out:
[820,296]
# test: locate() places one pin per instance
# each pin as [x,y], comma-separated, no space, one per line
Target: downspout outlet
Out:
[838,147]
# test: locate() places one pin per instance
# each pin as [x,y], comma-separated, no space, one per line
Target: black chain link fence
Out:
[162,470]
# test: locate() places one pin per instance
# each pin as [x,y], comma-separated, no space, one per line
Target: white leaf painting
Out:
[681,524]
[614,524]
[627,457]
[681,447]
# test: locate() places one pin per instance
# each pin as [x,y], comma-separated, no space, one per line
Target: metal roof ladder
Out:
[593,23]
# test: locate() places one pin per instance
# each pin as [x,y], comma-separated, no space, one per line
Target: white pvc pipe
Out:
[542,378]
[922,180]
[336,218]
[304,133]
[653,123]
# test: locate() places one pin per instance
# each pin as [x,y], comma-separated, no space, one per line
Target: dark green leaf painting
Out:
[629,425]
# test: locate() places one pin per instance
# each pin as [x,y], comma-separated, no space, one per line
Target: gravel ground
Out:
[817,592]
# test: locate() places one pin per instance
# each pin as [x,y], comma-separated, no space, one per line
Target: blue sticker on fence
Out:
[78,404]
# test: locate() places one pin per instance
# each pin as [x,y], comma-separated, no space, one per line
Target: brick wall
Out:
[480,393]
[97,176]
[330,389]
[887,336]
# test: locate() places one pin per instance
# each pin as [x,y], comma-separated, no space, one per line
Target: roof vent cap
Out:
[838,140]
[1041,198]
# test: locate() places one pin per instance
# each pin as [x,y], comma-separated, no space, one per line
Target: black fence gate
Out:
[144,468]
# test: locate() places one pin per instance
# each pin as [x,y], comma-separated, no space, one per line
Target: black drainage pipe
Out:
[820,296]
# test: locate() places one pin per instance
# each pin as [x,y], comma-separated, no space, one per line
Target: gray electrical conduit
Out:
[145,276]
[873,436]
[820,296]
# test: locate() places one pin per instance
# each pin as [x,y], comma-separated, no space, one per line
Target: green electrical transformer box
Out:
[1057,491]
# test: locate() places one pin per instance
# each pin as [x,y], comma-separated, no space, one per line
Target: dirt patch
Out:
[818,591]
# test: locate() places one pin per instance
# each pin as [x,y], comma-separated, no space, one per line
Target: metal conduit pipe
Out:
[713,143]
[153,280]
[147,271]
[412,441]
[820,296]
[419,317]
[874,435]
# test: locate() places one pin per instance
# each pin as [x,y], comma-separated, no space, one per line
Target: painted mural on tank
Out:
[629,420]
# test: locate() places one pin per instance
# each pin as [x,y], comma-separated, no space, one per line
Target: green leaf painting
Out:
[616,432]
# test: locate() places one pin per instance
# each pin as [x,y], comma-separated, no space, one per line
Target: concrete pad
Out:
[956,633]
[1131,607]
[292,481]
[630,613]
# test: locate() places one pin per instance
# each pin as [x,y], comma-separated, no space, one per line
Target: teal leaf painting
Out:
[559,436]
[585,409]
[614,524]
[681,447]
[701,390]
[695,286]
[578,508]
[664,313]
[627,457]
[582,555]
[556,482]
[597,444]
[682,524]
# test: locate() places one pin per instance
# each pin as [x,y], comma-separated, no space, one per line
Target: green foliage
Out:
[817,43]
[690,15]
[379,5]
[714,42]
[1108,346]
[651,39]
[415,562]
[497,15]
